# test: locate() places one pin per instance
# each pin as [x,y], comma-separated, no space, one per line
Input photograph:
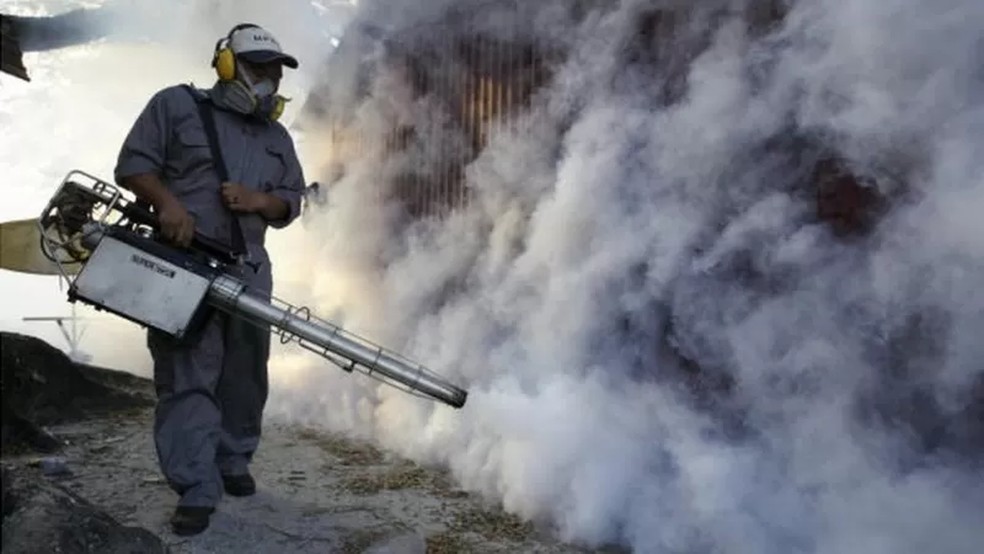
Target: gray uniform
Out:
[211,393]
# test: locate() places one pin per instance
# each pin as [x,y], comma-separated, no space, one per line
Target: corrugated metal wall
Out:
[484,88]
[480,83]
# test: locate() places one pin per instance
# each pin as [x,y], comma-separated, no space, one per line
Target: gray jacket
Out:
[169,139]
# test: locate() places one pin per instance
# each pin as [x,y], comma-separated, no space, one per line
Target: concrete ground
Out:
[317,493]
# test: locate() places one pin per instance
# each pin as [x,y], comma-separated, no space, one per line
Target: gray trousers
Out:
[210,399]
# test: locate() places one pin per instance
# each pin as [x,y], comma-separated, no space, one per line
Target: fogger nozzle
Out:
[324,338]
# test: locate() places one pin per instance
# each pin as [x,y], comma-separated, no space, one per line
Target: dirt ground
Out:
[316,494]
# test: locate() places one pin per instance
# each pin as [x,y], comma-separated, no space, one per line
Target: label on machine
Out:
[141,287]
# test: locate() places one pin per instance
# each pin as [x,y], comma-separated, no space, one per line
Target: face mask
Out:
[263,89]
[248,98]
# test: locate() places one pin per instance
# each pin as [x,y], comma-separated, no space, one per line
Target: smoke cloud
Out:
[665,346]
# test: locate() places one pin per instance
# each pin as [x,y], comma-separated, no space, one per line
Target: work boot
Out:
[239,485]
[190,520]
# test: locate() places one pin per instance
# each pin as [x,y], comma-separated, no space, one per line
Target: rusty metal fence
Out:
[479,83]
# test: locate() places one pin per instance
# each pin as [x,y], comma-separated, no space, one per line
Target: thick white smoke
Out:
[664,348]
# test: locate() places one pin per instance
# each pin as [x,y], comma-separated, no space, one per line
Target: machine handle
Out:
[214,248]
[137,212]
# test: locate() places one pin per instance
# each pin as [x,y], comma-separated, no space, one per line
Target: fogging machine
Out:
[128,271]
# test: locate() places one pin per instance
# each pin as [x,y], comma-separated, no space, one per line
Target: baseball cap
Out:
[257,45]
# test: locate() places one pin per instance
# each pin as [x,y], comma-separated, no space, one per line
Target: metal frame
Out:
[109,198]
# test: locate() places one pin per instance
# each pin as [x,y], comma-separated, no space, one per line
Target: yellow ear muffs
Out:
[224,59]
[225,64]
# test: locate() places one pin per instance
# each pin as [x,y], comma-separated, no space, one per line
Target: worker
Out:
[211,389]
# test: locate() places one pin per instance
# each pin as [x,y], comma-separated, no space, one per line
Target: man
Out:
[211,390]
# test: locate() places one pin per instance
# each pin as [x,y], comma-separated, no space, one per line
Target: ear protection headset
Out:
[224,59]
[224,62]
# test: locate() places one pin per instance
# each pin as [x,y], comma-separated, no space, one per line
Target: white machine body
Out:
[142,287]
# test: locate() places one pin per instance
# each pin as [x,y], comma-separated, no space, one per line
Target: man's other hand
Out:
[176,223]
[239,198]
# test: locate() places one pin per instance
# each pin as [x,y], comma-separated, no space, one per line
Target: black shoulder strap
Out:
[208,121]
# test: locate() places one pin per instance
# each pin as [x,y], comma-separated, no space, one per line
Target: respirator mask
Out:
[240,89]
[250,96]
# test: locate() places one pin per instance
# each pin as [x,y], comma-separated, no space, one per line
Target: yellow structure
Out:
[20,249]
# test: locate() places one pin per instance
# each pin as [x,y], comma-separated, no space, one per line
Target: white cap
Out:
[257,45]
